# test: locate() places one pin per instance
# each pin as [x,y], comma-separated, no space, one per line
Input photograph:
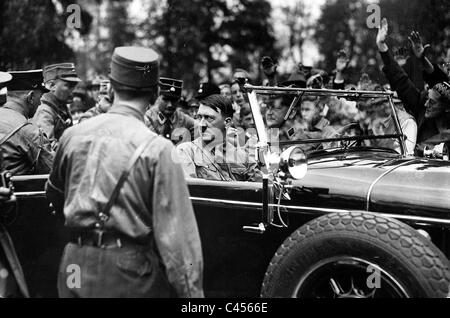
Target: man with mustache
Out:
[212,156]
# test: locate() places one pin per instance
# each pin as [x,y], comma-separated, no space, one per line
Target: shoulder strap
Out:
[12,133]
[134,158]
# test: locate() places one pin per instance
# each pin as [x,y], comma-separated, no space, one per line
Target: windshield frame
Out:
[252,92]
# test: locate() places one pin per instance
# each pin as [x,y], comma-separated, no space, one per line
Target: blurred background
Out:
[206,40]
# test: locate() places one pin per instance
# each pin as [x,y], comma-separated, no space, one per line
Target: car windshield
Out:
[319,120]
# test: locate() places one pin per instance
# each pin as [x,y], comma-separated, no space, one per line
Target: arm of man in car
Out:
[397,77]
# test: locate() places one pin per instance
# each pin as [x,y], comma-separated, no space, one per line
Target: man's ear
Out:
[50,85]
[30,97]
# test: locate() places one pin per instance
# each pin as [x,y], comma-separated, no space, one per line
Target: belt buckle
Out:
[100,239]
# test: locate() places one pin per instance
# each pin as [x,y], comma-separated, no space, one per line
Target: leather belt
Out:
[104,239]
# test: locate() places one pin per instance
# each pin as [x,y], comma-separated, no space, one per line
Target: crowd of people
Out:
[52,122]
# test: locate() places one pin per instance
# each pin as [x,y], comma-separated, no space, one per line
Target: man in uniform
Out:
[25,147]
[212,156]
[103,105]
[125,198]
[164,118]
[280,127]
[53,115]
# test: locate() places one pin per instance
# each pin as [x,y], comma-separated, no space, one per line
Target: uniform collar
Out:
[127,110]
[17,105]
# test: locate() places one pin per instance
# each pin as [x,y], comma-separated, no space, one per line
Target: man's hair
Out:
[286,100]
[219,102]
[245,110]
[127,92]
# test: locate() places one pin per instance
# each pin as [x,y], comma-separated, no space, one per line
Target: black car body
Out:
[364,204]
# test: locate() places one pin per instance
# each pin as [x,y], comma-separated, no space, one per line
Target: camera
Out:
[266,62]
[241,81]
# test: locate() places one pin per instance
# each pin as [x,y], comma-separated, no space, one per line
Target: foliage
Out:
[342,25]
[197,37]
[32,34]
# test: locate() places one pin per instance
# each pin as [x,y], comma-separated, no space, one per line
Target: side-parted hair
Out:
[219,102]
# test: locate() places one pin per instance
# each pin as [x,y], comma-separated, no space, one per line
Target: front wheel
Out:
[357,255]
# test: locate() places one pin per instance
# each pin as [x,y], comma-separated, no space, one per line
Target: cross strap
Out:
[105,214]
[13,132]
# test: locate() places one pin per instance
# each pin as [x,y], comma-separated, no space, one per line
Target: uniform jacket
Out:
[91,112]
[182,125]
[28,151]
[153,204]
[52,116]
[232,164]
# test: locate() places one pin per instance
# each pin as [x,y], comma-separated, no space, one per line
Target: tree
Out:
[342,25]
[298,22]
[197,37]
[249,32]
[32,34]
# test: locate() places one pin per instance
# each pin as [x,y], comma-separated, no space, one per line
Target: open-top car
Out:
[350,215]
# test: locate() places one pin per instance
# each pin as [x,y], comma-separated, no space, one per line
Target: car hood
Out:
[378,181]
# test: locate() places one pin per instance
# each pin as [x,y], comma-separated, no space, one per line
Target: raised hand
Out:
[382,35]
[341,64]
[416,44]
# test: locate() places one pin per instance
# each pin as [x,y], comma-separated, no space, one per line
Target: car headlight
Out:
[293,163]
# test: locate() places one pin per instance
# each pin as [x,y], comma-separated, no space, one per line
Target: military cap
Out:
[299,76]
[193,103]
[135,67]
[207,89]
[63,71]
[26,80]
[4,79]
[104,87]
[170,87]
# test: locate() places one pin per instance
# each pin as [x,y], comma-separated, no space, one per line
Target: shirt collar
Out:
[127,110]
[17,105]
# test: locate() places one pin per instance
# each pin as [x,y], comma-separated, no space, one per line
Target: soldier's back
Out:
[99,150]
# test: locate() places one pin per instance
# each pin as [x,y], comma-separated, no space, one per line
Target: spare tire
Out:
[357,255]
